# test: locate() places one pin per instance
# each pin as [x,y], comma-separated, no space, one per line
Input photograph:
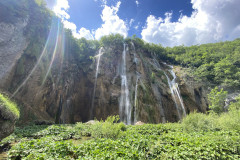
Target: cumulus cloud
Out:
[60,9]
[211,21]
[82,33]
[111,22]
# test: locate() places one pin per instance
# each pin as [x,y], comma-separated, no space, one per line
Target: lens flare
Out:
[47,49]
[53,55]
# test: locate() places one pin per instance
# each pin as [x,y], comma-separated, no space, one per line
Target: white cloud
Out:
[83,32]
[70,25]
[131,22]
[51,3]
[60,9]
[211,21]
[112,23]
[137,3]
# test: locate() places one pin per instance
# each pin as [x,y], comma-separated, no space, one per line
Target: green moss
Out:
[8,105]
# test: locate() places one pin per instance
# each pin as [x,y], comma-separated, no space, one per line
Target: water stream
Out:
[135,99]
[124,106]
[98,57]
[176,93]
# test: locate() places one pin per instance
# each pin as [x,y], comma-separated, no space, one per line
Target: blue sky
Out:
[169,22]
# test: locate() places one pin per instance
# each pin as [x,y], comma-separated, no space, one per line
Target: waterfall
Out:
[124,106]
[135,60]
[135,99]
[98,57]
[176,94]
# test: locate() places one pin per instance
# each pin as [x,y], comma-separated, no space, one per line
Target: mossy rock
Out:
[9,114]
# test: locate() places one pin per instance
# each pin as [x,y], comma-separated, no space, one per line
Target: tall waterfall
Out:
[135,99]
[176,94]
[98,57]
[124,106]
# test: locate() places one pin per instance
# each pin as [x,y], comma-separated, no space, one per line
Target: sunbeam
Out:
[53,55]
[44,52]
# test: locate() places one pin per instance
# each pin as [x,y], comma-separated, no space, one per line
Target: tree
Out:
[217,99]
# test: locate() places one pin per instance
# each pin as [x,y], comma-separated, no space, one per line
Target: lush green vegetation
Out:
[7,106]
[199,136]
[217,100]
[218,63]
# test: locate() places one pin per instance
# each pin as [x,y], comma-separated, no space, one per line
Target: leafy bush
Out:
[217,100]
[112,39]
[108,129]
[231,119]
[199,122]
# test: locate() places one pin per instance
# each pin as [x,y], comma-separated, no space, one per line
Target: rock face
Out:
[6,128]
[7,122]
[12,44]
[193,92]
[131,82]
[67,95]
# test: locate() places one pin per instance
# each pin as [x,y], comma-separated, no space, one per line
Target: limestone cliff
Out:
[12,45]
[53,77]
[67,95]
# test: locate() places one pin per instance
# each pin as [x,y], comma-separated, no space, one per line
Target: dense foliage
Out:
[217,100]
[218,63]
[199,136]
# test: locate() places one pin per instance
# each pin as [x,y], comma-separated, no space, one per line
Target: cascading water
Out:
[176,93]
[95,82]
[135,60]
[124,106]
[135,99]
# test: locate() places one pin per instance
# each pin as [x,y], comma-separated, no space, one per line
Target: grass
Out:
[199,136]
[8,106]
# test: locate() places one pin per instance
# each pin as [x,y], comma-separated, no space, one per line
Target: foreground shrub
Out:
[107,129]
[231,119]
[199,122]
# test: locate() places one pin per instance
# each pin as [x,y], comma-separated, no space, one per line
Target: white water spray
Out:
[135,99]
[98,57]
[124,107]
[176,94]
